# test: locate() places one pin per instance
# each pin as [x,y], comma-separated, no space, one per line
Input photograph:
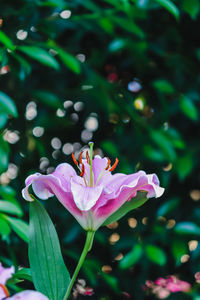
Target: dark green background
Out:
[156,42]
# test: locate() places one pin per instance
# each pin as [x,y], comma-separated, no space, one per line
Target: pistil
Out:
[91,144]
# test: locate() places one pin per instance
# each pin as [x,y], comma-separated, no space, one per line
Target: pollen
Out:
[87,157]
[4,290]
[108,164]
[74,159]
[82,170]
[114,165]
[80,157]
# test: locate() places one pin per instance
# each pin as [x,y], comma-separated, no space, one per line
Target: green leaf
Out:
[163,86]
[40,55]
[4,39]
[187,228]
[179,248]
[50,275]
[70,61]
[5,229]
[7,105]
[168,207]
[24,273]
[3,119]
[171,7]
[131,258]
[188,108]
[156,255]
[20,227]
[192,7]
[4,152]
[134,203]
[11,208]
[184,166]
[47,98]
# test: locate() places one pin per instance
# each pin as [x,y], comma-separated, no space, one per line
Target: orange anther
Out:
[4,288]
[114,165]
[108,164]
[80,158]
[87,157]
[82,171]
[74,159]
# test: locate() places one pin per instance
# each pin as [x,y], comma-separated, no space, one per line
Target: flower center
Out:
[89,178]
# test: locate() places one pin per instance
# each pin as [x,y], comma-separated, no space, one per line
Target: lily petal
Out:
[85,197]
[28,295]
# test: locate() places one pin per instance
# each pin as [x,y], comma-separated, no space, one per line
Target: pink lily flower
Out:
[5,274]
[28,295]
[95,194]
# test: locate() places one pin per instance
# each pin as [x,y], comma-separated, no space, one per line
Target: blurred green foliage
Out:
[124,74]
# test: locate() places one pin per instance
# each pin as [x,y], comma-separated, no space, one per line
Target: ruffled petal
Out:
[126,187]
[28,295]
[45,186]
[85,197]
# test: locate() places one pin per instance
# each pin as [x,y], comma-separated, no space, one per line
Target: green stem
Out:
[86,249]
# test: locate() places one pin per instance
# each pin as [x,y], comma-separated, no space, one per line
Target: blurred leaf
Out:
[19,226]
[163,86]
[188,108]
[110,148]
[4,227]
[129,25]
[179,248]
[184,166]
[153,154]
[134,203]
[156,255]
[7,105]
[3,119]
[111,281]
[131,258]
[164,143]
[167,207]
[4,39]
[47,98]
[4,152]
[170,6]
[40,55]
[11,208]
[187,228]
[192,7]
[70,61]
[51,279]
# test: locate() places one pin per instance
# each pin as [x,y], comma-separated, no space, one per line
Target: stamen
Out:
[108,164]
[80,158]
[91,144]
[114,165]
[74,159]
[4,288]
[82,171]
[87,157]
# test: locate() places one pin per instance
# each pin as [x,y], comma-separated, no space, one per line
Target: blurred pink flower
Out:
[81,289]
[197,277]
[94,195]
[163,287]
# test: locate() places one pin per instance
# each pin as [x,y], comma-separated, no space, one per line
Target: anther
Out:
[80,158]
[114,165]
[87,157]
[82,170]
[4,288]
[108,164]
[74,159]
